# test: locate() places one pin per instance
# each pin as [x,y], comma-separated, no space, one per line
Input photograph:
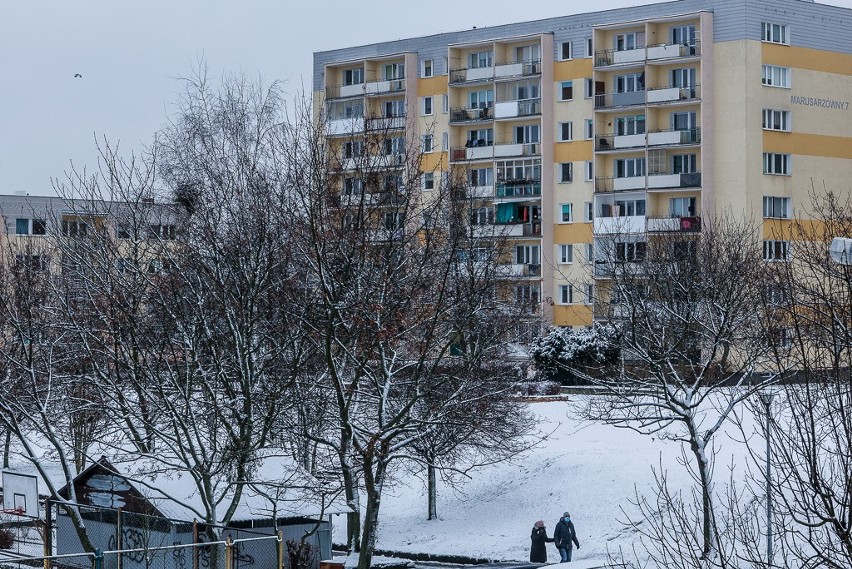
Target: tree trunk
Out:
[373,481]
[432,489]
[708,523]
[6,448]
[353,518]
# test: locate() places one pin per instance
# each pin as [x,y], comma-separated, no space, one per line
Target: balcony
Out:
[385,123]
[394,85]
[517,69]
[613,100]
[691,224]
[639,55]
[522,108]
[673,94]
[621,225]
[606,185]
[669,180]
[674,137]
[518,270]
[343,91]
[475,74]
[346,126]
[605,142]
[507,229]
[479,192]
[463,115]
[519,189]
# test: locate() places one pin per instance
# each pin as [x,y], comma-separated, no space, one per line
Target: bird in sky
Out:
[78,75]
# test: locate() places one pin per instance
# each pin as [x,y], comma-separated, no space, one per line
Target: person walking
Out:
[565,537]
[538,552]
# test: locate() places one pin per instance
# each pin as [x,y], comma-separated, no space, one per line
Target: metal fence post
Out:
[48,532]
[99,559]
[229,549]
[195,541]
[119,537]
[280,549]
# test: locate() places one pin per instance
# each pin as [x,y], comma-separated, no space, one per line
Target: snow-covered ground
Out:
[589,469]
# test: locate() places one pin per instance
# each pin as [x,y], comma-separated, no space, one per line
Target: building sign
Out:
[817,102]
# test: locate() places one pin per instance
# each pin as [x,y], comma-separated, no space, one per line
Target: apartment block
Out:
[584,136]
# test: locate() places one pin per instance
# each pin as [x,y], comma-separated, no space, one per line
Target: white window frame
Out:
[775,33]
[563,127]
[590,252]
[562,51]
[590,293]
[776,207]
[427,143]
[427,68]
[445,103]
[565,254]
[775,250]
[680,206]
[566,294]
[562,86]
[481,59]
[563,209]
[588,212]
[588,88]
[777,164]
[527,254]
[589,129]
[427,106]
[445,141]
[428,179]
[590,171]
[566,172]
[780,117]
[776,76]
[590,52]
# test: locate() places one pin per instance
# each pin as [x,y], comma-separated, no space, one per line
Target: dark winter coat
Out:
[564,534]
[538,552]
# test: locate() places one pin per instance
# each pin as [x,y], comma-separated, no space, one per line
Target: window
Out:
[682,207]
[22,226]
[427,105]
[566,294]
[394,71]
[353,149]
[482,99]
[774,250]
[527,255]
[590,171]
[684,163]
[776,207]
[161,231]
[778,164]
[394,108]
[394,146]
[526,169]
[426,68]
[626,126]
[566,131]
[589,51]
[630,83]
[481,177]
[683,77]
[623,208]
[683,120]
[353,76]
[684,35]
[778,337]
[428,142]
[565,50]
[774,33]
[527,294]
[123,232]
[566,91]
[445,103]
[776,76]
[589,131]
[31,262]
[528,53]
[480,137]
[482,216]
[588,212]
[74,228]
[527,134]
[590,293]
[445,141]
[523,90]
[566,254]
[429,181]
[481,59]
[566,213]
[774,119]
[588,88]
[393,220]
[630,252]
[39,227]
[566,172]
[629,167]
[590,252]
[353,186]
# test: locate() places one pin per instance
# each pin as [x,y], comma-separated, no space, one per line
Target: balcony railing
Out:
[623,184]
[342,91]
[604,142]
[673,93]
[472,74]
[471,114]
[690,224]
[672,137]
[518,270]
[385,123]
[664,180]
[629,99]
[519,189]
[519,108]
[385,86]
[607,57]
[517,68]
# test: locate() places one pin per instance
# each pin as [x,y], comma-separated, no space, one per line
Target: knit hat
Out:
[566,515]
[539,524]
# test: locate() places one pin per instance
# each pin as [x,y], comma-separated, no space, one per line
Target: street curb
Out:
[433,557]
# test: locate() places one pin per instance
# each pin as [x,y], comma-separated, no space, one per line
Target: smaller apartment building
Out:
[581,137]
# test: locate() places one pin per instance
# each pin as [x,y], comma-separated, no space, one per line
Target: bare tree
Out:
[692,343]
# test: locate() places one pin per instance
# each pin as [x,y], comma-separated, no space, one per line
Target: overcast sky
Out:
[131,56]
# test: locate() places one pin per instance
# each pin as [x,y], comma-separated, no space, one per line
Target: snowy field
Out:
[591,470]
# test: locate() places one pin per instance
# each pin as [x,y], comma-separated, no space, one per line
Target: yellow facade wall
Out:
[572,69]
[806,58]
[572,315]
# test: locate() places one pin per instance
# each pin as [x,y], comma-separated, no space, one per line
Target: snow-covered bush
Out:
[566,349]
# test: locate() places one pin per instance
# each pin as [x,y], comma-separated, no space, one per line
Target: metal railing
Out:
[688,224]
[471,114]
[678,93]
[678,136]
[628,99]
[519,189]
[641,54]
